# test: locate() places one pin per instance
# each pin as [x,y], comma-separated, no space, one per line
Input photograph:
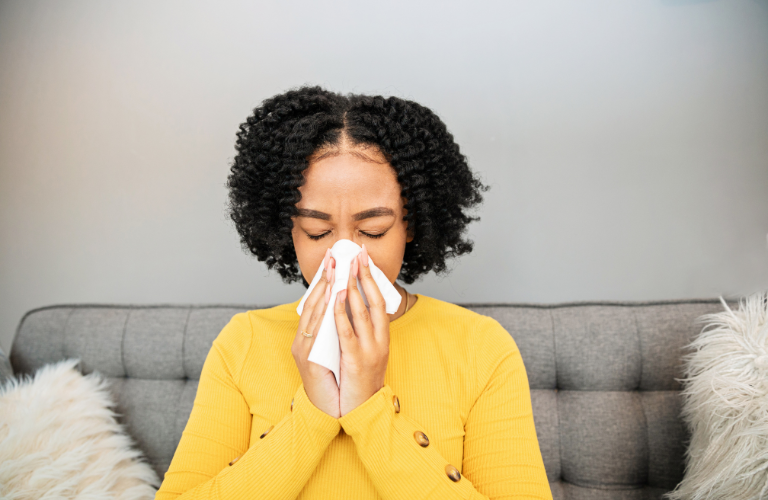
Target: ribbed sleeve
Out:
[501,450]
[219,429]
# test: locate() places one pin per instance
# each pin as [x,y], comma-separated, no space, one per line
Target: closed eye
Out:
[374,236]
[319,236]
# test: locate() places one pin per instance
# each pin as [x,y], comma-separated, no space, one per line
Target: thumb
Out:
[347,337]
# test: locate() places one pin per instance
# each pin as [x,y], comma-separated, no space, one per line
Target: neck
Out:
[408,299]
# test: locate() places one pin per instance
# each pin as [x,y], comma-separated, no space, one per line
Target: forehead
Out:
[347,176]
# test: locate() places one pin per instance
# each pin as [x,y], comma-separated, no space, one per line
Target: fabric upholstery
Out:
[6,370]
[602,375]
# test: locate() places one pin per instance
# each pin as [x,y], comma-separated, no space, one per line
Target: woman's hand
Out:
[365,341]
[319,382]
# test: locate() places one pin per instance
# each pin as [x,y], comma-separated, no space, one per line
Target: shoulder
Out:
[235,340]
[489,340]
[450,312]
[484,331]
[242,325]
[240,329]
[491,352]
[479,339]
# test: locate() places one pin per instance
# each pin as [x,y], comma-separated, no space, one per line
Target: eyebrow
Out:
[365,214]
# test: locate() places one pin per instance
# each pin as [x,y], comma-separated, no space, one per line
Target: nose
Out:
[348,234]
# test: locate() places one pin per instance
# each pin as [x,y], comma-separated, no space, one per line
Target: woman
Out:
[433,400]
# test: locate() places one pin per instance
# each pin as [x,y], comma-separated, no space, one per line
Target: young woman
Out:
[433,400]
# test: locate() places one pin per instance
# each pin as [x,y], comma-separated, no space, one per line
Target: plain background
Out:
[625,142]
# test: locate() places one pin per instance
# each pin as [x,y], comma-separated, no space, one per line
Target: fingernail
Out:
[354,267]
[325,259]
[328,273]
[342,296]
[365,256]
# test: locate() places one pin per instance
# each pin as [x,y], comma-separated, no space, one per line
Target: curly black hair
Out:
[273,149]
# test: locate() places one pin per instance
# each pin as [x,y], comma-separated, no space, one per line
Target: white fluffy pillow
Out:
[59,439]
[725,404]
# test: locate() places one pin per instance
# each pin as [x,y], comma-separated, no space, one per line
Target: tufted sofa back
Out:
[602,375]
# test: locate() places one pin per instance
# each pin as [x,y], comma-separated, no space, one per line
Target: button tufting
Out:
[396,403]
[235,460]
[292,405]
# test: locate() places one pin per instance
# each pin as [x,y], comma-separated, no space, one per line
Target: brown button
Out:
[421,438]
[292,405]
[235,460]
[267,431]
[452,473]
[396,402]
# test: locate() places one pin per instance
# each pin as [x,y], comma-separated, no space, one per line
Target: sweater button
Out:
[267,431]
[453,473]
[292,405]
[421,439]
[396,403]
[235,460]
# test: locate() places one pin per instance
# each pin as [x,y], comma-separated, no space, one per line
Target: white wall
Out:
[626,142]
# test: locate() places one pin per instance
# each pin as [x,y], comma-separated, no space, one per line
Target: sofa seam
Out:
[640,348]
[122,344]
[64,335]
[640,397]
[647,440]
[557,400]
[184,344]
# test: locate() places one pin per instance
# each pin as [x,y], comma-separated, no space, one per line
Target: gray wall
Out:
[626,143]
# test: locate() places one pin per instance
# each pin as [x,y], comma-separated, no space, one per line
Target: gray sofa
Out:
[602,377]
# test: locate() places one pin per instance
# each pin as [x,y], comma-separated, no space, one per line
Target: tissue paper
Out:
[326,350]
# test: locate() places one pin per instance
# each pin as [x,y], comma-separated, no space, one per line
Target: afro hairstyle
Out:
[275,143]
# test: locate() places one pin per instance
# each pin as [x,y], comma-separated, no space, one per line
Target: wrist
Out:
[302,404]
[382,400]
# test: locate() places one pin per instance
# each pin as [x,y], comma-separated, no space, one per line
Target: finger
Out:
[313,327]
[347,339]
[331,281]
[316,296]
[361,319]
[378,306]
[309,324]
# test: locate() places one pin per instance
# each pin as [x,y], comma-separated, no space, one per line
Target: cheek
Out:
[307,255]
[388,257]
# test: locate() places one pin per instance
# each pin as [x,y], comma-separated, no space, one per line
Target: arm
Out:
[276,466]
[502,459]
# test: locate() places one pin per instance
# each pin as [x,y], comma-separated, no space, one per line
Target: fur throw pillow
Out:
[725,405]
[59,439]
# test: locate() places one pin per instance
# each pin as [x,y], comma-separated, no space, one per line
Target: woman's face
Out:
[353,195]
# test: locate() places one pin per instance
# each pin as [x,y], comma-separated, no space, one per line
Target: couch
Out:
[605,397]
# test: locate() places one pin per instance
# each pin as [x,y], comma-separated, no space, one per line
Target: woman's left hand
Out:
[365,341]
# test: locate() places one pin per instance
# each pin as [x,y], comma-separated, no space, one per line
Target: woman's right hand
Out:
[319,382]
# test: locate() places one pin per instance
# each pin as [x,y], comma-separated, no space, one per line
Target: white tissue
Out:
[326,350]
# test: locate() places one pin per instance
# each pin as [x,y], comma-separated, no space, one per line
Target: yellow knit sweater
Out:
[458,377]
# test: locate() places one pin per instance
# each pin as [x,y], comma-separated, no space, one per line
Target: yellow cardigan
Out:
[458,377]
